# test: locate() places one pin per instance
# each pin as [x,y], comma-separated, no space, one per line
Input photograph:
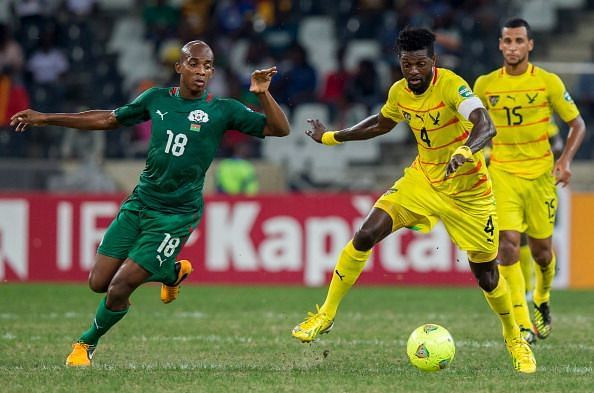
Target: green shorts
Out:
[150,238]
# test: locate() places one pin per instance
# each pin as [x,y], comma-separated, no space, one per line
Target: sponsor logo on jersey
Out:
[158,112]
[493,100]
[406,115]
[465,91]
[198,116]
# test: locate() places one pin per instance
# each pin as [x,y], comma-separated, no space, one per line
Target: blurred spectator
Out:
[161,20]
[333,92]
[298,79]
[234,16]
[47,65]
[236,175]
[364,86]
[13,97]
[448,40]
[195,17]
[11,54]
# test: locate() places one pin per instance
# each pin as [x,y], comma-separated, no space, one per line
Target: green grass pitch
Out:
[237,339]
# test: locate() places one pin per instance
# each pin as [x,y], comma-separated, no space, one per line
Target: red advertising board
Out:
[280,239]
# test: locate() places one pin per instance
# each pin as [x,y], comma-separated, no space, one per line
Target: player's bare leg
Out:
[103,272]
[348,268]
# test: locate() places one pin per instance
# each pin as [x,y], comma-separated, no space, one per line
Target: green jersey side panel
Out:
[185,137]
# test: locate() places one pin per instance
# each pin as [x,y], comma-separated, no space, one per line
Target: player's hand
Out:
[21,120]
[562,172]
[456,162]
[316,130]
[260,80]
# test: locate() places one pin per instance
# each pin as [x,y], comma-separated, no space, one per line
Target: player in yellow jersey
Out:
[526,261]
[448,180]
[521,99]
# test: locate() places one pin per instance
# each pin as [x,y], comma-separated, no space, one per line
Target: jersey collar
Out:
[529,70]
[174,92]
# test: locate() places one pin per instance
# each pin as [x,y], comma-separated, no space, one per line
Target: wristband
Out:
[464,151]
[329,139]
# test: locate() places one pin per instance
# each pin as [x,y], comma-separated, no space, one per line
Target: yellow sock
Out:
[499,300]
[517,291]
[544,281]
[348,268]
[527,264]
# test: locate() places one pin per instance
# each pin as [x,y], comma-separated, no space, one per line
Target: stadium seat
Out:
[126,31]
[116,5]
[358,50]
[315,29]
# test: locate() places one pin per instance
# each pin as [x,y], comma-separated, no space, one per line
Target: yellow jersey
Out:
[438,119]
[521,107]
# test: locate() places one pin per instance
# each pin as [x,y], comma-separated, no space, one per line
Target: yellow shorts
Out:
[525,205]
[471,222]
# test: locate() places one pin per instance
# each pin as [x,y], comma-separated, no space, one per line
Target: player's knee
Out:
[364,239]
[488,281]
[487,274]
[509,251]
[543,256]
[117,295]
[97,285]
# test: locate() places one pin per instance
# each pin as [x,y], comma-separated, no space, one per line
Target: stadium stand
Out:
[110,51]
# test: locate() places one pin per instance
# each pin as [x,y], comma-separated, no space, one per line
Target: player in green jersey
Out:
[188,123]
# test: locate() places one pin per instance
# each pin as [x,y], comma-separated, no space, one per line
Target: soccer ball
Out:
[430,347]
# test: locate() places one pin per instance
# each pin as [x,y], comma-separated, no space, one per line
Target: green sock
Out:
[104,320]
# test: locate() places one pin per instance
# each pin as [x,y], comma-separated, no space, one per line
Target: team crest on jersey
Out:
[567,97]
[406,115]
[465,91]
[493,100]
[198,116]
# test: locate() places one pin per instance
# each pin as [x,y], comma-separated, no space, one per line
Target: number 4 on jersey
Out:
[425,137]
[489,227]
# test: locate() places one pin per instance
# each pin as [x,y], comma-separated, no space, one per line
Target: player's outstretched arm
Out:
[277,123]
[368,128]
[89,120]
[483,130]
[577,131]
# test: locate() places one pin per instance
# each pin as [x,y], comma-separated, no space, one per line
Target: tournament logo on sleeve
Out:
[465,91]
[567,96]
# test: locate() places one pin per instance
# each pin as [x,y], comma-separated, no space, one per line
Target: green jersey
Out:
[185,137]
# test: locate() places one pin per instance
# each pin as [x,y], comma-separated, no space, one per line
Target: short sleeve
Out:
[458,95]
[560,98]
[245,120]
[390,108]
[479,88]
[136,111]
